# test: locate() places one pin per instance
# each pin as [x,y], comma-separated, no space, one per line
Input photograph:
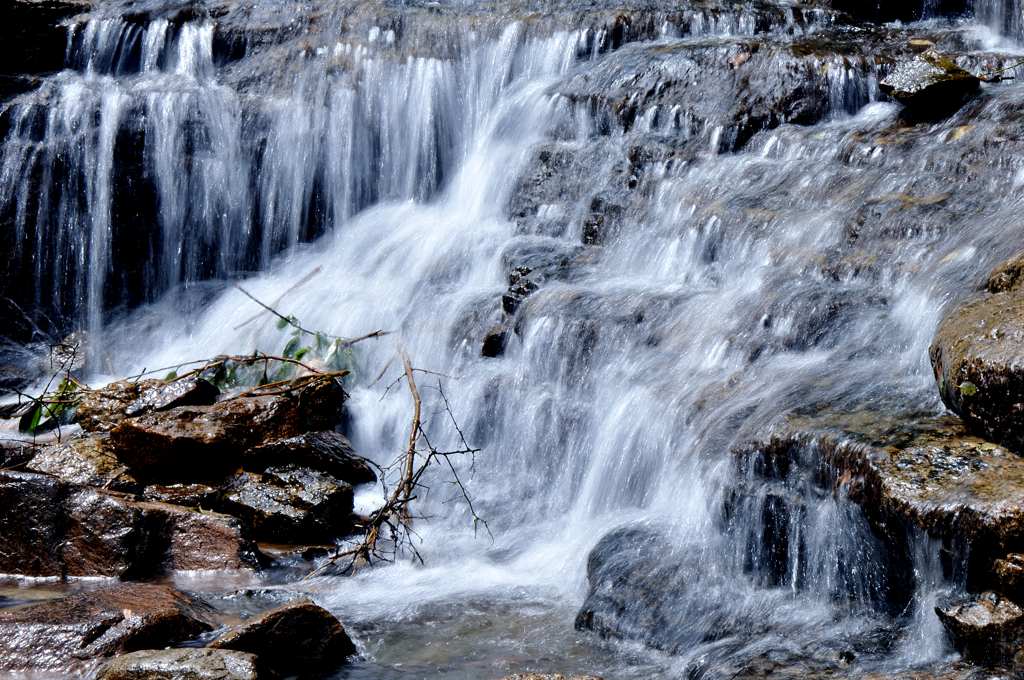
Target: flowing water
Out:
[708,253]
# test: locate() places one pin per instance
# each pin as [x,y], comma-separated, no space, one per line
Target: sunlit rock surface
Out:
[63,634]
[185,664]
[978,358]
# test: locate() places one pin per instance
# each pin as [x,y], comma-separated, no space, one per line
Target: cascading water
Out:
[707,254]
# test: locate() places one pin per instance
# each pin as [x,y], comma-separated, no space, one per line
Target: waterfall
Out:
[698,266]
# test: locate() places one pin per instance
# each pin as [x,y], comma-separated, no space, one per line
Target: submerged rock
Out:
[930,85]
[185,664]
[290,504]
[299,637]
[986,629]
[58,635]
[978,358]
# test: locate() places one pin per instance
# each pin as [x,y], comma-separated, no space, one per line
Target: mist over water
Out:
[361,187]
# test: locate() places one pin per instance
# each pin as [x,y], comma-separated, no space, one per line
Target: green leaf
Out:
[302,352]
[173,375]
[30,421]
[282,324]
[291,348]
[968,389]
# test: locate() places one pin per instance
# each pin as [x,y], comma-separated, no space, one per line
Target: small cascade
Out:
[1005,17]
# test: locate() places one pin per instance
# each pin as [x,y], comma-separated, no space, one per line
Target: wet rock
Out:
[494,342]
[32,524]
[86,460]
[52,528]
[36,37]
[188,495]
[908,469]
[182,539]
[978,359]
[15,454]
[57,635]
[326,451]
[185,664]
[631,588]
[290,504]
[191,391]
[930,86]
[1007,276]
[299,637]
[101,409]
[986,629]
[1008,575]
[195,443]
[103,535]
[549,676]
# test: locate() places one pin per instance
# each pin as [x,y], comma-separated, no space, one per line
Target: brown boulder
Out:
[185,664]
[84,460]
[59,635]
[986,629]
[193,443]
[290,504]
[978,358]
[299,637]
[56,529]
[1007,276]
[184,539]
[327,451]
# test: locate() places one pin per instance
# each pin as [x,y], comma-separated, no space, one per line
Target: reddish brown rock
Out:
[299,637]
[59,635]
[103,535]
[195,443]
[184,539]
[101,409]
